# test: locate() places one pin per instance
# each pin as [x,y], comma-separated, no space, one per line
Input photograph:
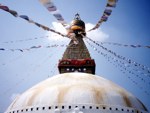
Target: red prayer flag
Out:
[4,8]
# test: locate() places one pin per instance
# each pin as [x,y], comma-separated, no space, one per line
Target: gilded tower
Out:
[77,58]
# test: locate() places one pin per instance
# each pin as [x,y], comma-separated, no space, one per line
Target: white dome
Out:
[76,93]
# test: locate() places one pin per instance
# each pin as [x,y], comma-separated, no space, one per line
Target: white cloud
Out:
[13,96]
[58,27]
[97,34]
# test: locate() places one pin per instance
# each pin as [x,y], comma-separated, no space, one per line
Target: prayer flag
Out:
[4,8]
[107,12]
[45,1]
[44,27]
[58,17]
[104,18]
[39,25]
[114,1]
[14,13]
[52,8]
[24,17]
[2,49]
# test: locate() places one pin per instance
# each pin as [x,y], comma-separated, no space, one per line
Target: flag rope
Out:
[25,17]
[121,66]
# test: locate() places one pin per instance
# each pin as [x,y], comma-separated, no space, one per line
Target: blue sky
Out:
[128,24]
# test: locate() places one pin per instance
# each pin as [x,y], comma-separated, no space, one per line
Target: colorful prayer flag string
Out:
[126,45]
[33,47]
[24,40]
[107,12]
[122,67]
[29,75]
[129,61]
[25,17]
[53,10]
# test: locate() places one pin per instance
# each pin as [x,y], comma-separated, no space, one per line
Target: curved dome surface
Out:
[76,93]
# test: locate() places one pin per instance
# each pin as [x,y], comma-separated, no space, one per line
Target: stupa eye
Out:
[79,69]
[72,69]
[68,69]
[84,69]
